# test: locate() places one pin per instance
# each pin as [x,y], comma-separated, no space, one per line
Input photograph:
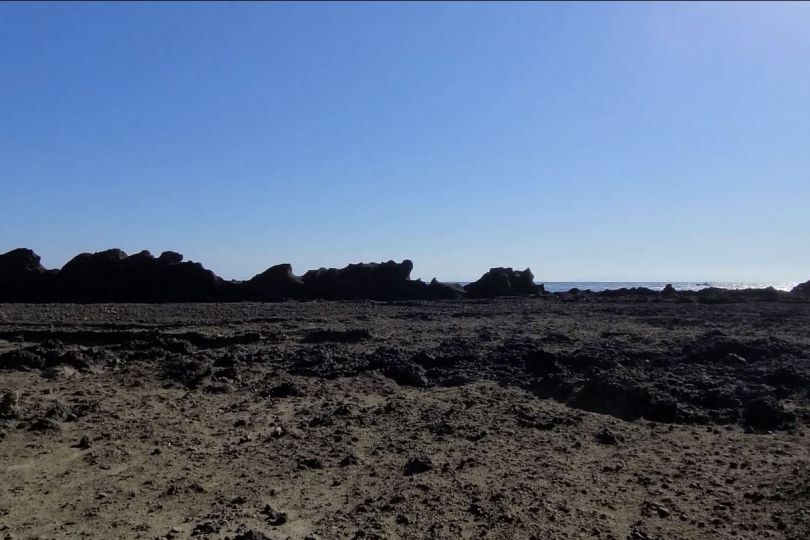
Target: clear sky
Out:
[587,141]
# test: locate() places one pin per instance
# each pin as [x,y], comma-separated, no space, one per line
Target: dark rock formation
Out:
[275,282]
[108,276]
[376,281]
[170,257]
[443,291]
[802,290]
[766,413]
[22,277]
[112,276]
[714,295]
[504,282]
[632,291]
[709,295]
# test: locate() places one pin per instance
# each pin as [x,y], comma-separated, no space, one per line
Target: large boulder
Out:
[192,282]
[276,282]
[503,282]
[22,276]
[112,276]
[767,413]
[92,277]
[170,257]
[377,281]
[20,260]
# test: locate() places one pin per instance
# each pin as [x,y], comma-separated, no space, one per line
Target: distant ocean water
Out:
[596,286]
[561,286]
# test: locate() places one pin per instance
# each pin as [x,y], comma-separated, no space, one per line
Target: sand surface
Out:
[509,418]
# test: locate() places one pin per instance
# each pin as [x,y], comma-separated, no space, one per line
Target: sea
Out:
[596,286]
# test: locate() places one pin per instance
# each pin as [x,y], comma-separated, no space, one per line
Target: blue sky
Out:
[587,141]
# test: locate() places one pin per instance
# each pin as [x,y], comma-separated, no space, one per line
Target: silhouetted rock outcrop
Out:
[276,282]
[504,282]
[109,276]
[19,261]
[625,291]
[715,295]
[114,276]
[377,281]
[444,291]
[170,257]
[22,276]
[802,290]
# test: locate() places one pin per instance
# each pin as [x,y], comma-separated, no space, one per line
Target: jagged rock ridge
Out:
[114,276]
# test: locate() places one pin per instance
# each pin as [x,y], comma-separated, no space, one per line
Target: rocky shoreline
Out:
[114,276]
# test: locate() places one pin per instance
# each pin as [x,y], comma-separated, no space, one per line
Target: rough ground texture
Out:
[513,418]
